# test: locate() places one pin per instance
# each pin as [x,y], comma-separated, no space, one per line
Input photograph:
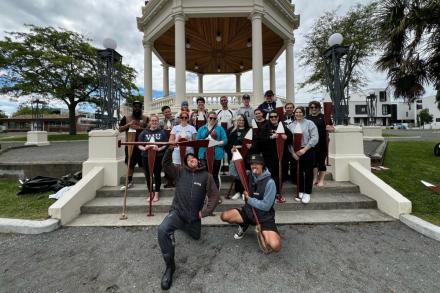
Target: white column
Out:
[257,57]
[238,82]
[166,80]
[273,85]
[200,82]
[179,45]
[290,82]
[148,74]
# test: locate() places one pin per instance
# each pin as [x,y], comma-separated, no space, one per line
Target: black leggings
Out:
[171,223]
[306,163]
[215,170]
[156,172]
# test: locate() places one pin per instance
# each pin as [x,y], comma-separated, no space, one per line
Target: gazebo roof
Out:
[232,54]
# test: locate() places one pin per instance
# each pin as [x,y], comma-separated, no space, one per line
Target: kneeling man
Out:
[193,184]
[261,197]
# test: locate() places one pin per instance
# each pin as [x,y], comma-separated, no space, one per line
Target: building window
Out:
[406,114]
[385,109]
[419,107]
[361,109]
[383,96]
[357,120]
[437,119]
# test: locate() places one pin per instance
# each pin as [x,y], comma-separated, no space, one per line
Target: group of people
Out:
[193,184]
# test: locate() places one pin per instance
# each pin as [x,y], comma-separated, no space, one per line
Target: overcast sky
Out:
[98,19]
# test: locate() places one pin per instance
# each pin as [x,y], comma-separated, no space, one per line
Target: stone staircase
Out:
[337,202]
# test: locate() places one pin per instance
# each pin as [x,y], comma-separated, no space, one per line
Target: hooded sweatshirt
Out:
[192,187]
[261,194]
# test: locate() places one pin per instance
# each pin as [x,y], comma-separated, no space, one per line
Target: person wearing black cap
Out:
[136,120]
[261,197]
[246,110]
[269,105]
[193,185]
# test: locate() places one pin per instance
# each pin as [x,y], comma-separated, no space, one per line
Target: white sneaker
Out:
[129,185]
[300,196]
[236,196]
[240,232]
[305,198]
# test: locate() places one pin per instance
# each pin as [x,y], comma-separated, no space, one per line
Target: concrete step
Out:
[281,218]
[139,178]
[140,190]
[321,201]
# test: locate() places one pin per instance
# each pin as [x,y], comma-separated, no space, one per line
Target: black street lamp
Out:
[37,114]
[338,67]
[109,64]
[371,108]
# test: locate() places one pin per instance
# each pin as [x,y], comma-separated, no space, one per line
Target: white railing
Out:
[212,100]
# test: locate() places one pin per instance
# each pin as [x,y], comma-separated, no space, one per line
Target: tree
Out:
[3,114]
[24,109]
[57,64]
[358,30]
[425,117]
[409,33]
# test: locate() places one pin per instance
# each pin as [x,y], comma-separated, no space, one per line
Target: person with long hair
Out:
[236,138]
[305,155]
[159,135]
[216,132]
[182,130]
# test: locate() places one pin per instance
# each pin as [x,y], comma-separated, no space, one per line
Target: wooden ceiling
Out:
[230,55]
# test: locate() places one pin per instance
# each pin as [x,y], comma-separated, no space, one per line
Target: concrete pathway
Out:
[375,257]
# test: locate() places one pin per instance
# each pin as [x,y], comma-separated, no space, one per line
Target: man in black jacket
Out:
[193,184]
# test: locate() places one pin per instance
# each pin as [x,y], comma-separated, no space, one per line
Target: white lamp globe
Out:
[109,43]
[335,39]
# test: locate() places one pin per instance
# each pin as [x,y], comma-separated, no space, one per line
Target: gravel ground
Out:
[378,257]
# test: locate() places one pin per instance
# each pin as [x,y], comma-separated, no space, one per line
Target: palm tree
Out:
[410,37]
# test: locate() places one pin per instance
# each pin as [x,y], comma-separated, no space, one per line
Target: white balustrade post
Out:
[148,74]
[166,80]
[257,57]
[180,55]
[290,78]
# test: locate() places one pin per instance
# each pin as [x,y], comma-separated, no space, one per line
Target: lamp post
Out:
[338,67]
[371,100]
[109,64]
[37,114]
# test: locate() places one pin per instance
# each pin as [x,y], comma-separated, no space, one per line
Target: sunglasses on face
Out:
[212,118]
[313,107]
[183,117]
[273,117]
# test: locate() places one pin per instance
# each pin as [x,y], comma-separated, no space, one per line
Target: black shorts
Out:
[136,157]
[268,225]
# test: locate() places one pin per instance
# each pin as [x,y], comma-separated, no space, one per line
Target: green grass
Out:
[51,137]
[389,135]
[410,162]
[28,206]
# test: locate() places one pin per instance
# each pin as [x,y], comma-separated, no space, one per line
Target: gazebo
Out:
[216,37]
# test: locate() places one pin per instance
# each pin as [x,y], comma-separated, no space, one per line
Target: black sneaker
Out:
[240,233]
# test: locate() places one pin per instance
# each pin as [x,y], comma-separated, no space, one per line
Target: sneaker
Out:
[129,185]
[236,196]
[300,196]
[240,232]
[305,198]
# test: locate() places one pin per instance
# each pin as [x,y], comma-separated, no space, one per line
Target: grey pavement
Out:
[62,151]
[377,257]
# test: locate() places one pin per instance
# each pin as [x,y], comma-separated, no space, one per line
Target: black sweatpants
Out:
[306,163]
[171,223]
[215,170]
[156,172]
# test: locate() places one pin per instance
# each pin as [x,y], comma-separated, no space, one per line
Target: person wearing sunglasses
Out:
[236,138]
[320,149]
[269,150]
[215,131]
[182,130]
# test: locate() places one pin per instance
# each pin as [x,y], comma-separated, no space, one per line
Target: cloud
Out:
[98,19]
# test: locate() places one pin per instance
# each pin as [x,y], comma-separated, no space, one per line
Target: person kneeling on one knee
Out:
[193,184]
[262,198]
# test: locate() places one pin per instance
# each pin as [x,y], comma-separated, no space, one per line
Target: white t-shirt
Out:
[225,116]
[179,131]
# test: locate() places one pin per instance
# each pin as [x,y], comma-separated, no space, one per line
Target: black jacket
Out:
[192,187]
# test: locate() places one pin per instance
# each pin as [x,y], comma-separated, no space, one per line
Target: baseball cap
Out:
[184,103]
[269,93]
[257,159]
